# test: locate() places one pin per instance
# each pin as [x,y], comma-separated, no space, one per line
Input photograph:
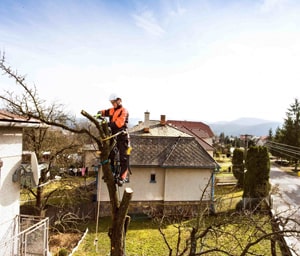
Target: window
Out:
[152,178]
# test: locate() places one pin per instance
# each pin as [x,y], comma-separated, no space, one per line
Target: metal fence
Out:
[28,237]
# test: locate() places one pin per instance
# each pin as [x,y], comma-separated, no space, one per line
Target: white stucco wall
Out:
[143,189]
[10,153]
[171,185]
[187,184]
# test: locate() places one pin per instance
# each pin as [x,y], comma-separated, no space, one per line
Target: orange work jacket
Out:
[118,118]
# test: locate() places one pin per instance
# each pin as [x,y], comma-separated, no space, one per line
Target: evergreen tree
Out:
[238,166]
[256,183]
[289,134]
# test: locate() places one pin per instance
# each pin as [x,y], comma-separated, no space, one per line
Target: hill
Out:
[252,126]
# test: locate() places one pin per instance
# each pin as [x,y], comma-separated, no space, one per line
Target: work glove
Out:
[98,115]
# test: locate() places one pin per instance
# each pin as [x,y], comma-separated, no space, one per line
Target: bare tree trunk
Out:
[39,200]
[193,242]
[119,209]
[120,222]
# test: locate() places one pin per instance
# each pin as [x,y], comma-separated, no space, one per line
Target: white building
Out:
[170,171]
[15,230]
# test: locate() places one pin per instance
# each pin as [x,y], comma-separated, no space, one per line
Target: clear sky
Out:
[196,60]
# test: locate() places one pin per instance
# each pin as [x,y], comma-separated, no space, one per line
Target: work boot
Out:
[120,181]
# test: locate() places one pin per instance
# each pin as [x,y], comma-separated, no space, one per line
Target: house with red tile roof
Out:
[201,131]
[170,169]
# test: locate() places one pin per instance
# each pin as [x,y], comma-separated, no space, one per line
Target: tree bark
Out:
[120,222]
[119,209]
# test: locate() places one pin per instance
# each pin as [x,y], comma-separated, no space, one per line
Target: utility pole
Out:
[245,136]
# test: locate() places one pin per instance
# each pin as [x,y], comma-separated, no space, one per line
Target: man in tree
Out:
[118,120]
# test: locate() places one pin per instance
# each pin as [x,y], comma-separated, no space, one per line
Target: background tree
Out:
[289,134]
[277,138]
[29,105]
[56,144]
[270,134]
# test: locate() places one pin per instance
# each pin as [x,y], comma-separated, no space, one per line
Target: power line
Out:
[284,149]
[281,148]
[285,145]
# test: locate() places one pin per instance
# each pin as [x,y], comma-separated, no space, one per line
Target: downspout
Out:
[212,191]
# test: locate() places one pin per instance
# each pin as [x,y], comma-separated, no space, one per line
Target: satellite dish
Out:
[35,168]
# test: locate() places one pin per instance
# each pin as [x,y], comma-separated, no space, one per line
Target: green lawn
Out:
[225,164]
[143,237]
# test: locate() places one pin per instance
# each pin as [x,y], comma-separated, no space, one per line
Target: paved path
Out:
[286,200]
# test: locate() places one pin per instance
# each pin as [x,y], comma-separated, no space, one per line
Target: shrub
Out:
[63,252]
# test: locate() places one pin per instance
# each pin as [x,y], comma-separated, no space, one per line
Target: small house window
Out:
[152,178]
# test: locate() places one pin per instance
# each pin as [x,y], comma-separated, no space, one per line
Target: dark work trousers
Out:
[122,146]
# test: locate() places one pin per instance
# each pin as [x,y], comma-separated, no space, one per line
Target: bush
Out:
[238,166]
[63,252]
[257,176]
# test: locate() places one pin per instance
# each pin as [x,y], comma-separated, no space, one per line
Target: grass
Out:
[143,237]
[227,197]
[289,169]
[225,164]
[67,185]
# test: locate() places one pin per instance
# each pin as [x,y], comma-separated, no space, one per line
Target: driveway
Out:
[286,200]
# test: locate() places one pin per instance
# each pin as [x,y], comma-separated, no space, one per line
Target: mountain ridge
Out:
[237,127]
[245,125]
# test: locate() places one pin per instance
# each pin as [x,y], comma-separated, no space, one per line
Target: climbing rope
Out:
[114,135]
[98,201]
[98,205]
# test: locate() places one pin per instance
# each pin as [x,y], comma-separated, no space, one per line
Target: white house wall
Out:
[143,189]
[187,187]
[171,185]
[10,153]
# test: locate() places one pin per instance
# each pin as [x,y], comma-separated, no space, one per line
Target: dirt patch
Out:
[289,170]
[63,241]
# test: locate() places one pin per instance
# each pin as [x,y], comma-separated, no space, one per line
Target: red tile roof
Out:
[198,129]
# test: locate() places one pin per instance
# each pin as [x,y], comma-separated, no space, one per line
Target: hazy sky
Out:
[197,60]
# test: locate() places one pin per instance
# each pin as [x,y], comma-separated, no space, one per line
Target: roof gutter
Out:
[22,124]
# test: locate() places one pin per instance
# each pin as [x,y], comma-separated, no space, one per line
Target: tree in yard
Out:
[238,166]
[29,105]
[256,183]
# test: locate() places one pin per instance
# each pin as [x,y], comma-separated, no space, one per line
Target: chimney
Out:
[162,120]
[146,122]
